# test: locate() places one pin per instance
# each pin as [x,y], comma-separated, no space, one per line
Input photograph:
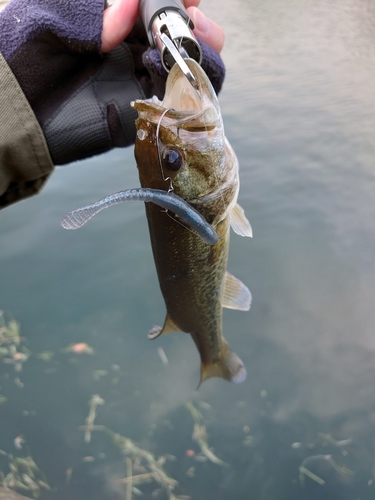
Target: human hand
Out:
[120,17]
[80,96]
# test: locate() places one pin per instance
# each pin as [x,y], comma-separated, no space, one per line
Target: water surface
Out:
[299,109]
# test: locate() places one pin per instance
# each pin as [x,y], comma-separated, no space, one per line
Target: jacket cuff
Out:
[25,162]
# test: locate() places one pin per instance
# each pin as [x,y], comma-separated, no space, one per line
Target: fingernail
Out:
[201,22]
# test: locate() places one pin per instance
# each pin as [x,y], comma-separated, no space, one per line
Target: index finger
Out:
[191,3]
[118,20]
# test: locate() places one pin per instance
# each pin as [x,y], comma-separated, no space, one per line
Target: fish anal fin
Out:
[228,366]
[235,294]
[239,222]
[168,327]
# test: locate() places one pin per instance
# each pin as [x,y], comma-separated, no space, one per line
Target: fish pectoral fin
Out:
[229,367]
[235,294]
[168,327]
[239,222]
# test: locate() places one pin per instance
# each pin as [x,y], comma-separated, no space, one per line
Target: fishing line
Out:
[179,222]
[216,177]
[170,189]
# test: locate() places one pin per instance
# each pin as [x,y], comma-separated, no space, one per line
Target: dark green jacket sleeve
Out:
[25,162]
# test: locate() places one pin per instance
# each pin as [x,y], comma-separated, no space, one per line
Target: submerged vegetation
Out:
[184,452]
[24,475]
[200,435]
[11,350]
[19,471]
[142,466]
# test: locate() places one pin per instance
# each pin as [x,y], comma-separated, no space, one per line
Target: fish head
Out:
[181,144]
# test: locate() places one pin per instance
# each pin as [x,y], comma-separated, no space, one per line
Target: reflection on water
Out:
[299,108]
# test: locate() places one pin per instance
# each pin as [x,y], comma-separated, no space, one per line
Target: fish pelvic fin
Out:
[235,294]
[229,367]
[168,327]
[239,222]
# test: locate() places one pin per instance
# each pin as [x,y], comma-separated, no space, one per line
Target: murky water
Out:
[299,109]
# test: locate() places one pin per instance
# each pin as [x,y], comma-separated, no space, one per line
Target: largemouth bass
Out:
[181,147]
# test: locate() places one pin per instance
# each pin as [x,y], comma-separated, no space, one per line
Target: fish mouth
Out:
[184,106]
[180,95]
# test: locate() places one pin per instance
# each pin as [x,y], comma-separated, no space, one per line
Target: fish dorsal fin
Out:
[239,222]
[235,294]
[229,367]
[168,327]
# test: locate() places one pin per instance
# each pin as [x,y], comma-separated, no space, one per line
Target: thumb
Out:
[118,21]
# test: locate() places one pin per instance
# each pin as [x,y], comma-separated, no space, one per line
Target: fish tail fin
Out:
[229,367]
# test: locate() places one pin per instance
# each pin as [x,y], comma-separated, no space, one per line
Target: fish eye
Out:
[172,159]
